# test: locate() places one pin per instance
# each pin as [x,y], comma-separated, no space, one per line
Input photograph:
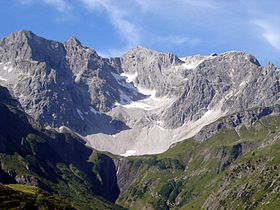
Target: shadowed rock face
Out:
[33,155]
[139,103]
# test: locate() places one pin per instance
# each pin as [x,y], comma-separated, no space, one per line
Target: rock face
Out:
[139,103]
[56,161]
[236,120]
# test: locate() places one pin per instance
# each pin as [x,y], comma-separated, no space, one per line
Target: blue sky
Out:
[185,27]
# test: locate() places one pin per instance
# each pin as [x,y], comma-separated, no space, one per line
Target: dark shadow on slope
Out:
[55,162]
[102,123]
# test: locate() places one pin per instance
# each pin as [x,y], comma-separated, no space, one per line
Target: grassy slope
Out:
[17,196]
[231,170]
[55,162]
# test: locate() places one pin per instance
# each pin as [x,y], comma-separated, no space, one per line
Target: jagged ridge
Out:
[140,103]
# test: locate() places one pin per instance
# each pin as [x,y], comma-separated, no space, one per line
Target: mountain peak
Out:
[73,41]
[21,35]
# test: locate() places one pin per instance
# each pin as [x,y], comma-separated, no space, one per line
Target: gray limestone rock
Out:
[123,104]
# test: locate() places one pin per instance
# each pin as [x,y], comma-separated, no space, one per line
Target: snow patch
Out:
[80,114]
[139,105]
[128,153]
[130,77]
[159,123]
[191,62]
[147,92]
[9,69]
[150,103]
[3,79]
[123,81]
[62,129]
[183,58]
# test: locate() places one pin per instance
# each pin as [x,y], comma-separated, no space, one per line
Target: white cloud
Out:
[60,5]
[270,31]
[118,17]
[172,7]
[178,40]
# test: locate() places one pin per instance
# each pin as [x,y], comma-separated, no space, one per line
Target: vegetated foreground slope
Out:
[57,162]
[234,169]
[17,196]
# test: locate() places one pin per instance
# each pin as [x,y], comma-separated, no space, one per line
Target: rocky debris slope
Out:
[140,103]
[184,96]
[237,120]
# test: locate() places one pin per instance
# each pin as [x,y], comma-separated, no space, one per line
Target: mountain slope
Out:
[128,105]
[27,197]
[57,162]
[234,169]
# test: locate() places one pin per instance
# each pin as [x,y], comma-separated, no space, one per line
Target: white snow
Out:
[147,92]
[3,79]
[191,62]
[80,114]
[139,105]
[62,129]
[150,103]
[159,125]
[122,80]
[128,153]
[130,77]
[8,69]
[94,111]
[190,65]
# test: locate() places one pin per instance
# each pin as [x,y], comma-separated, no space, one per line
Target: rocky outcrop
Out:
[51,160]
[124,104]
[235,121]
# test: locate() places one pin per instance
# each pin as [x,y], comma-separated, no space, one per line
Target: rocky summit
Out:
[139,103]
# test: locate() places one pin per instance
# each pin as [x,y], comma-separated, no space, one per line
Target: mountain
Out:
[235,165]
[56,161]
[140,103]
[236,168]
[206,128]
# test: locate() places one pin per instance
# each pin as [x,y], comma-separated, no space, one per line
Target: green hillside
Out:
[232,170]
[18,196]
[58,163]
